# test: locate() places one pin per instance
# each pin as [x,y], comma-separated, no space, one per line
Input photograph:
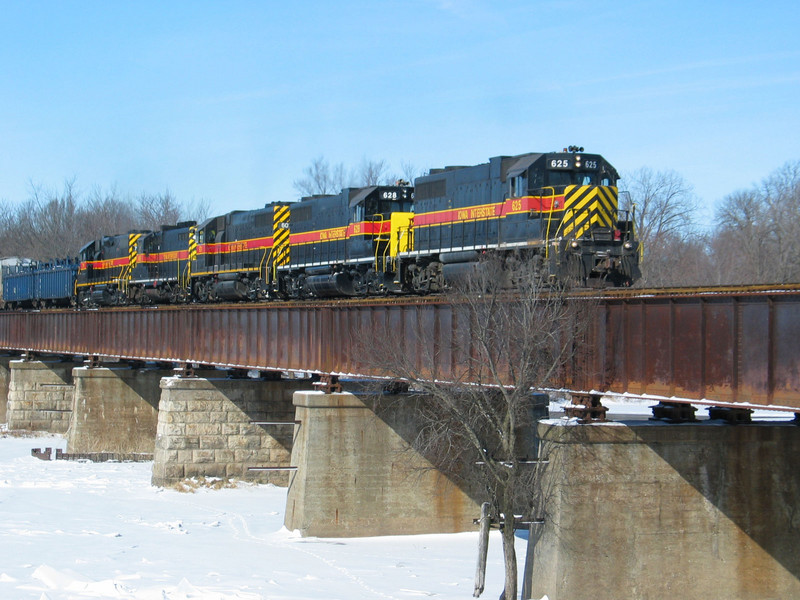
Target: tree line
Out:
[56,224]
[753,236]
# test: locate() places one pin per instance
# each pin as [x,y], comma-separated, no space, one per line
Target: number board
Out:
[569,163]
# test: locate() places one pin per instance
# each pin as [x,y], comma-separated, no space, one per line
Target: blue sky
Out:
[229,101]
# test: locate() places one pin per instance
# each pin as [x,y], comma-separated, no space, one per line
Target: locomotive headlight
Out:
[574,244]
[627,245]
[578,161]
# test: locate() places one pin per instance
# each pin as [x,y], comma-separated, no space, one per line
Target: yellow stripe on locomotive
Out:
[587,206]
[280,236]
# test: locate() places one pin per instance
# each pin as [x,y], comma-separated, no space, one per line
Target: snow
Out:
[626,406]
[73,530]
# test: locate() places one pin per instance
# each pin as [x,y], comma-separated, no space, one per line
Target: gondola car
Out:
[39,284]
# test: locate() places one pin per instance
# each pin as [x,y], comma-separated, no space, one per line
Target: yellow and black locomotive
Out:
[557,212]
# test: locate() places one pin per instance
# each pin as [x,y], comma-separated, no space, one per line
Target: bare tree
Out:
[320,178]
[674,260]
[47,223]
[371,172]
[155,210]
[105,212]
[781,192]
[664,206]
[52,224]
[196,210]
[475,411]
[757,239]
[410,172]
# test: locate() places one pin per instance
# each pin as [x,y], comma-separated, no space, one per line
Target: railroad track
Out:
[609,294]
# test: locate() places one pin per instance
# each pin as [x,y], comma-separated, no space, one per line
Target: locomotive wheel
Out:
[257,291]
[201,292]
[374,282]
[297,287]
[360,283]
[420,280]
[284,284]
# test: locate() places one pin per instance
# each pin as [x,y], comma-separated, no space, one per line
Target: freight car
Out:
[556,211]
[39,285]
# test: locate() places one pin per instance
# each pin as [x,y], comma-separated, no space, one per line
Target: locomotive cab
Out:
[593,240]
[105,269]
[347,244]
[380,223]
[557,211]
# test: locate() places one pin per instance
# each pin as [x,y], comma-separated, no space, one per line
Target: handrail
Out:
[261,263]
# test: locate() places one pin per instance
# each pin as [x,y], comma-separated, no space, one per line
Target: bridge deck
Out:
[727,346]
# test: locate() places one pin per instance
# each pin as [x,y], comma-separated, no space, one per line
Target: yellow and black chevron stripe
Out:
[192,242]
[280,236]
[133,251]
[587,206]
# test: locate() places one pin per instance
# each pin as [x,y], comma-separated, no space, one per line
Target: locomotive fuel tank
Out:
[335,284]
[231,290]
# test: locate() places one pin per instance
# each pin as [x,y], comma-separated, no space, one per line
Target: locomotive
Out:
[556,211]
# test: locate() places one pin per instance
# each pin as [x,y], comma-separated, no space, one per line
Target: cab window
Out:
[517,187]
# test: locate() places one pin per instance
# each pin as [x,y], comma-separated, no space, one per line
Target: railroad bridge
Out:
[724,346]
[691,494]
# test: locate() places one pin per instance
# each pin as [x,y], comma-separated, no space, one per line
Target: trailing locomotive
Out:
[556,211]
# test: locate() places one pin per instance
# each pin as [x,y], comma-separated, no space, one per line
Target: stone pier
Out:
[40,395]
[206,428]
[5,375]
[645,510]
[115,409]
[358,476]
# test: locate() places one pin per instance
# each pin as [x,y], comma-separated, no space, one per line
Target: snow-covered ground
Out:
[71,530]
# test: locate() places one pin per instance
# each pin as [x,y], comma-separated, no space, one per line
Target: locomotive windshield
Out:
[557,178]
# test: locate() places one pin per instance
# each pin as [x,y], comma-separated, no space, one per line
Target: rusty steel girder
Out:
[727,347]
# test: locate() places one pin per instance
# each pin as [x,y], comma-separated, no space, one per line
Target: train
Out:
[557,211]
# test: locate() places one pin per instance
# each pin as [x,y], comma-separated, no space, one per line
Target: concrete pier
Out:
[40,395]
[358,476]
[115,409]
[205,428]
[646,511]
